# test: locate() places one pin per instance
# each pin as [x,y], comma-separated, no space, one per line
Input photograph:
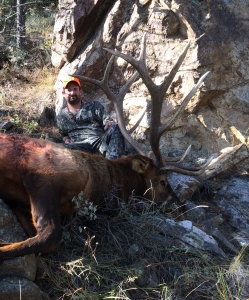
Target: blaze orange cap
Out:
[70,79]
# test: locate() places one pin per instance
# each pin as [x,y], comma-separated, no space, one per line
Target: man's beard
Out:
[73,99]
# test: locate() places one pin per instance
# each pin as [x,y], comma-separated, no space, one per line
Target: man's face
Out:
[72,93]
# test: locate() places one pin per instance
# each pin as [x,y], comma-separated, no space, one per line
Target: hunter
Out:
[86,126]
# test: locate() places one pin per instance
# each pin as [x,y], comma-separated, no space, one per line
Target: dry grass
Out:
[23,96]
[116,257]
[24,90]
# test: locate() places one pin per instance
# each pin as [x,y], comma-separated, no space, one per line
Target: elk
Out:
[38,178]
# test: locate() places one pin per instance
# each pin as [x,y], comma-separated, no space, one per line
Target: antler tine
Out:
[139,65]
[103,84]
[188,171]
[127,86]
[183,104]
[178,159]
[164,127]
[118,105]
[107,71]
[138,121]
[169,78]
[142,56]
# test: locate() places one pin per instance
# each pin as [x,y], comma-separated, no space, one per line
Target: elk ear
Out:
[140,165]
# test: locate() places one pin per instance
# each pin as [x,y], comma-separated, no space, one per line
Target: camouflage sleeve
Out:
[106,117]
[61,122]
[102,114]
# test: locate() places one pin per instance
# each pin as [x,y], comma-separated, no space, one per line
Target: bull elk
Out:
[38,179]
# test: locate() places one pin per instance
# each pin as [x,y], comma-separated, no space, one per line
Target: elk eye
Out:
[162,182]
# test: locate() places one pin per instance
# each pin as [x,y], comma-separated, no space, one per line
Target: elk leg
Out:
[46,219]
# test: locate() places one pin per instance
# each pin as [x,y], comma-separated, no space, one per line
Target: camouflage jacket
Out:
[87,125]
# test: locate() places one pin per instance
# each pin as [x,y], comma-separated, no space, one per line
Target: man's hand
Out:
[67,140]
[108,124]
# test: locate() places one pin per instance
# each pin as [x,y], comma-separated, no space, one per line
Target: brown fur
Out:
[38,180]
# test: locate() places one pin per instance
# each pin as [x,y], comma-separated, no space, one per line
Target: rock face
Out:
[15,288]
[216,117]
[74,26]
[232,200]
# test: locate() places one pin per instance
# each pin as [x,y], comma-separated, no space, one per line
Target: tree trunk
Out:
[20,22]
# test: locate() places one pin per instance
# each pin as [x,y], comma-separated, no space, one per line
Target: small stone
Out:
[6,125]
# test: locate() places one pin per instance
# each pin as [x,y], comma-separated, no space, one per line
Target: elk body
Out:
[38,180]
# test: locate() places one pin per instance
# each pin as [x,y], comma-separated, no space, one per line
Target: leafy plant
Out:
[84,208]
[28,125]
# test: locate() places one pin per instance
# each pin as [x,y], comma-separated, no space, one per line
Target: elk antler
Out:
[157,93]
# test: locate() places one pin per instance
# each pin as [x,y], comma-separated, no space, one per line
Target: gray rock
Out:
[232,200]
[15,288]
[184,186]
[194,212]
[210,226]
[192,238]
[71,18]
[23,267]
[147,275]
[11,231]
[47,117]
[5,126]
[241,238]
